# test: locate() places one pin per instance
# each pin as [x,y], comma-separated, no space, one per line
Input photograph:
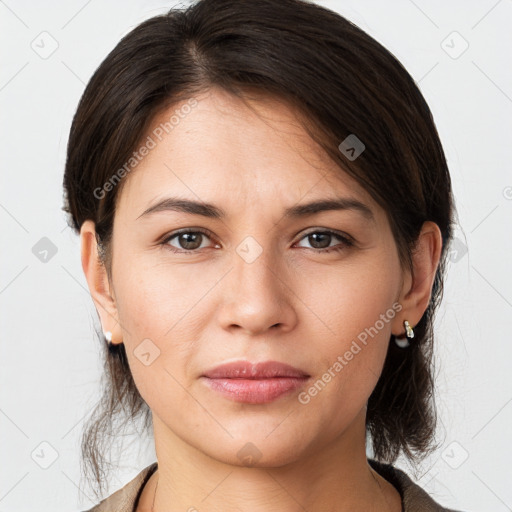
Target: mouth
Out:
[259,383]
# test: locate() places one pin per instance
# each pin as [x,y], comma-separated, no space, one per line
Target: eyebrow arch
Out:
[340,203]
[302,210]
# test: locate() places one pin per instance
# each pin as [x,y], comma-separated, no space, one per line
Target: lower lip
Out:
[254,391]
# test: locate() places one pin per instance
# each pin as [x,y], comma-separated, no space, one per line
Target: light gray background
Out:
[50,364]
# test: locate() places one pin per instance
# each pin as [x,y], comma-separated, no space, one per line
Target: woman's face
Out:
[259,286]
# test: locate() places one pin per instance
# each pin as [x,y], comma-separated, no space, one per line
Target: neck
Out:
[335,477]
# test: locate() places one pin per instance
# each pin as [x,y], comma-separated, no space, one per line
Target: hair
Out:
[339,81]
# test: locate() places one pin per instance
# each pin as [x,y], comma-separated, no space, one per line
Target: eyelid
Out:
[169,236]
[341,234]
[189,230]
[345,237]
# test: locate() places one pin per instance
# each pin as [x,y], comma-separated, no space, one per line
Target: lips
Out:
[259,383]
[247,370]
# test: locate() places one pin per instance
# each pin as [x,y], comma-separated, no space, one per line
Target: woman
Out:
[264,209]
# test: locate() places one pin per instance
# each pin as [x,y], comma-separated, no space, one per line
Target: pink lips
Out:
[259,383]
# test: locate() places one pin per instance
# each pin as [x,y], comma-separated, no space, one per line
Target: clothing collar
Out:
[414,498]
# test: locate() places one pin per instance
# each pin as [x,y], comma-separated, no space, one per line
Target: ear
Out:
[97,280]
[417,286]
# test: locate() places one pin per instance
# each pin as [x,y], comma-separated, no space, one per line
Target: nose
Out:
[257,295]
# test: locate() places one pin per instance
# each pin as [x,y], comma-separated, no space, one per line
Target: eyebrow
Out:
[302,210]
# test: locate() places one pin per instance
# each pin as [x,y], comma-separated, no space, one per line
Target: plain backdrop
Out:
[459,54]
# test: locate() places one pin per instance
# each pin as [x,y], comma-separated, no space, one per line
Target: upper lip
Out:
[247,370]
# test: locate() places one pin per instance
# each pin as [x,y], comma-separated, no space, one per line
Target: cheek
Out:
[155,297]
[160,325]
[344,301]
[352,310]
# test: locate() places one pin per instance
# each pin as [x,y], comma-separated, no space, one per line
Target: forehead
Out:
[227,151]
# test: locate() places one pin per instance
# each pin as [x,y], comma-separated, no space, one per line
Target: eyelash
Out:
[346,241]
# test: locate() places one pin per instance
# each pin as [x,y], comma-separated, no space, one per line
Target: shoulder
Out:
[124,499]
[414,498]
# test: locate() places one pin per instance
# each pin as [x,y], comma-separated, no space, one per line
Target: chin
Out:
[255,450]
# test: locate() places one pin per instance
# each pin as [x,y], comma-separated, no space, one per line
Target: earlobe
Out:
[97,280]
[417,289]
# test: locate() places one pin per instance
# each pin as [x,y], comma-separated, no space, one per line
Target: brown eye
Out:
[190,241]
[186,241]
[321,241]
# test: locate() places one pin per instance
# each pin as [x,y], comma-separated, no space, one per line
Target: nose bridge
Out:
[256,267]
[256,296]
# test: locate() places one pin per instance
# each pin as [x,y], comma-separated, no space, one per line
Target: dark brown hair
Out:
[340,81]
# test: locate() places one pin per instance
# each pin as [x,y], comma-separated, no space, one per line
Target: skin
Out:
[293,304]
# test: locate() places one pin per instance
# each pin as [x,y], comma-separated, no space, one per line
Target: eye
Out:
[188,240]
[191,240]
[324,239]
